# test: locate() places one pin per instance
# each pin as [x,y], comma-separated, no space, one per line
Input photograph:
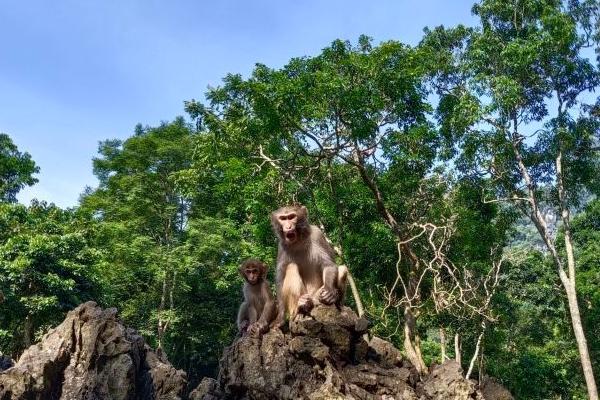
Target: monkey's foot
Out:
[305,304]
[328,296]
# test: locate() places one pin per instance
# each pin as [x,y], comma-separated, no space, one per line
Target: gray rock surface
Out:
[446,382]
[325,356]
[493,390]
[90,356]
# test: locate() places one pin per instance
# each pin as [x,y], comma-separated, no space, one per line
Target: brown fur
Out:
[258,309]
[306,270]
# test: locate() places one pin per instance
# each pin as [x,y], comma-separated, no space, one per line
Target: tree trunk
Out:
[481,371]
[163,299]
[476,354]
[28,331]
[569,283]
[584,354]
[457,349]
[412,342]
[359,305]
[443,356]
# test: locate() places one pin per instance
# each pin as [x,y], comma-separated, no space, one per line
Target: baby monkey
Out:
[258,309]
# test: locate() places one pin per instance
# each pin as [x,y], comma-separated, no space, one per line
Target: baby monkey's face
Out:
[252,275]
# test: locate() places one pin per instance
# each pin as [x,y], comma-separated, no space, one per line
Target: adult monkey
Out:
[258,309]
[306,270]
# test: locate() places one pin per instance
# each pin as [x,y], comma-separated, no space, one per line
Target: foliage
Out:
[382,143]
[46,269]
[586,228]
[355,114]
[512,94]
[16,169]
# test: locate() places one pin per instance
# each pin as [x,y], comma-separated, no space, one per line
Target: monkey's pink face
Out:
[288,227]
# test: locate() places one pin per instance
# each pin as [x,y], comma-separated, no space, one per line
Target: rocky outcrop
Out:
[446,382]
[325,356]
[90,356]
[493,390]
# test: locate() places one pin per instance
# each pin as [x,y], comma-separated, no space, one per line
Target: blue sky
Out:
[73,73]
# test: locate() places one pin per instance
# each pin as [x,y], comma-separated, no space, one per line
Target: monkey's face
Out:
[288,223]
[252,275]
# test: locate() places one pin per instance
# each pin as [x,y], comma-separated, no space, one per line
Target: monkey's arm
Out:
[330,277]
[268,312]
[330,291]
[242,318]
[280,308]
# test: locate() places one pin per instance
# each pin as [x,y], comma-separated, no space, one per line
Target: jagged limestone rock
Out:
[446,382]
[493,390]
[90,356]
[325,356]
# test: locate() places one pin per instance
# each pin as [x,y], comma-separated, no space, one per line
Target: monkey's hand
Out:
[258,328]
[328,295]
[244,327]
[305,304]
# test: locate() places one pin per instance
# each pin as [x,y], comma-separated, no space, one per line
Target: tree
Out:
[509,93]
[46,269]
[137,187]
[586,235]
[355,114]
[168,257]
[16,170]
[532,348]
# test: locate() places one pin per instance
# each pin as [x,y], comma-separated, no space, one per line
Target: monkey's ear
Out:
[242,270]
[264,268]
[304,210]
[273,218]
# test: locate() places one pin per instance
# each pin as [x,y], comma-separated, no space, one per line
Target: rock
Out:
[362,325]
[206,390]
[384,352]
[493,390]
[91,355]
[378,380]
[446,381]
[310,348]
[324,356]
